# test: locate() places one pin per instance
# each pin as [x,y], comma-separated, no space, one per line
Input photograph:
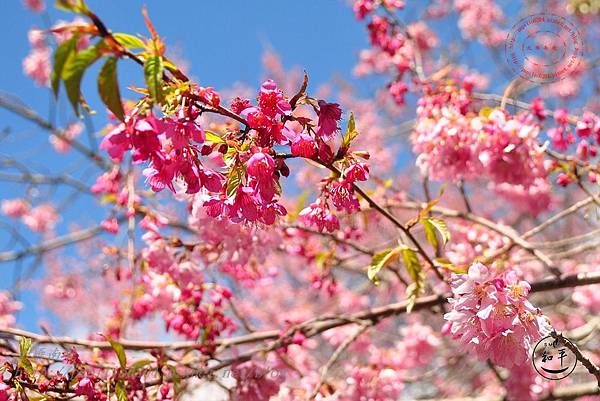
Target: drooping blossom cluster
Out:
[492,317]
[524,383]
[394,46]
[41,218]
[238,250]
[167,145]
[37,64]
[190,305]
[340,192]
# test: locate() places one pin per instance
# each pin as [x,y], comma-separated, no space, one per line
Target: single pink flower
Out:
[329,115]
[110,225]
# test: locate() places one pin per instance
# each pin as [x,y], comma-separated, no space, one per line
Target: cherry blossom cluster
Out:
[479,20]
[190,305]
[492,317]
[585,137]
[246,188]
[340,193]
[394,46]
[454,143]
[41,218]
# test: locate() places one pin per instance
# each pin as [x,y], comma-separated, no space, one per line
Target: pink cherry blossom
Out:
[254,382]
[8,307]
[41,218]
[15,207]
[492,317]
[329,115]
[37,65]
[110,225]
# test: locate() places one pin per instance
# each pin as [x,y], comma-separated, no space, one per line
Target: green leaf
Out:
[120,351]
[412,291]
[61,54]
[351,132]
[441,226]
[445,263]
[430,233]
[121,391]
[411,260]
[379,261]
[153,72]
[129,41]
[76,6]
[212,137]
[234,180]
[108,88]
[415,271]
[139,365]
[73,71]
[24,348]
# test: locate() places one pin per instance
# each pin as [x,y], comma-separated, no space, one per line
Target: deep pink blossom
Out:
[304,146]
[261,165]
[209,96]
[398,89]
[329,115]
[342,196]
[356,172]
[110,225]
[537,108]
[271,100]
[4,391]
